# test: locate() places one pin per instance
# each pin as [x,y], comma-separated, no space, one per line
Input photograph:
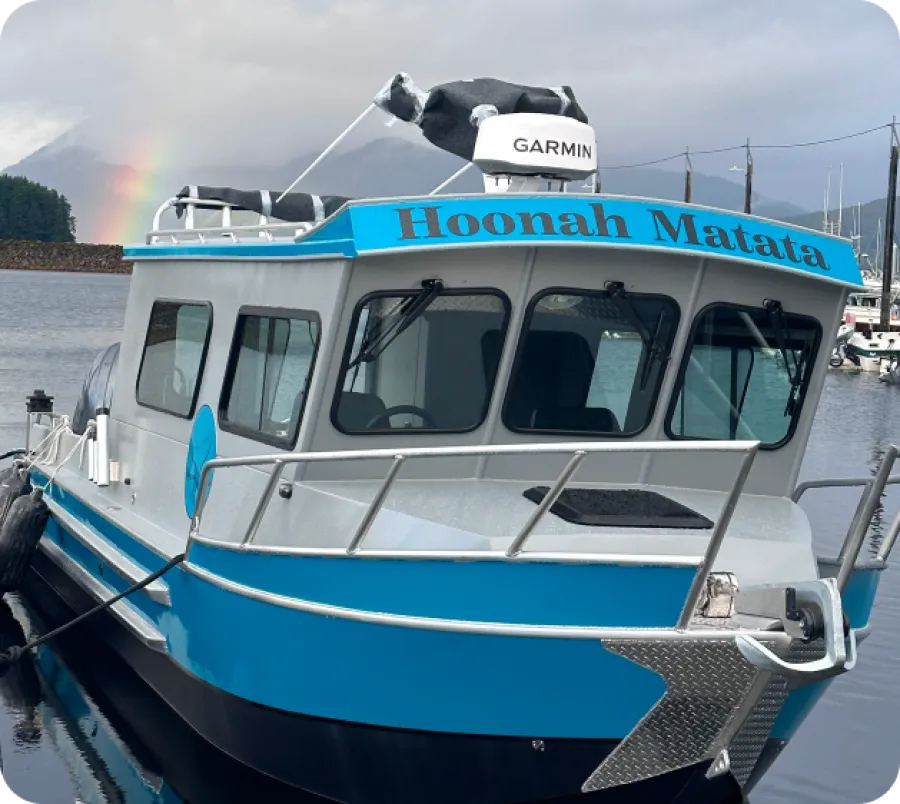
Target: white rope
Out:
[50,444]
[78,445]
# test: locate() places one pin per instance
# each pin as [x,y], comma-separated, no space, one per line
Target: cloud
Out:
[263,80]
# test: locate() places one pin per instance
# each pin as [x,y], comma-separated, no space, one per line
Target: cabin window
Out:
[745,374]
[266,384]
[174,354]
[421,361]
[590,362]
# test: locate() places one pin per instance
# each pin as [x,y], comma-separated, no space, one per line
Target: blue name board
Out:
[522,220]
[518,220]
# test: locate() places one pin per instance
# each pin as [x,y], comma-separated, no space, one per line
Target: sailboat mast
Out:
[890,220]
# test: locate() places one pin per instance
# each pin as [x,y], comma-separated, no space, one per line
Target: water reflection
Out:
[115,740]
[21,687]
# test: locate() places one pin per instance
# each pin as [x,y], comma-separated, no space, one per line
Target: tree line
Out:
[30,211]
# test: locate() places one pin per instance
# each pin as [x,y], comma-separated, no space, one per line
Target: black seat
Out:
[356,410]
[578,420]
[550,383]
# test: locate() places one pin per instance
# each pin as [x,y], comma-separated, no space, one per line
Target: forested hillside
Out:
[30,211]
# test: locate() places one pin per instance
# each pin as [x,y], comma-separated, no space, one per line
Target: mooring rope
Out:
[79,444]
[10,656]
[53,437]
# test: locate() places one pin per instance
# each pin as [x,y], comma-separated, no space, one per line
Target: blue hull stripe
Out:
[389,676]
[486,591]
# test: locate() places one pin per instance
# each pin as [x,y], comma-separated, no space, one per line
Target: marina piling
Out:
[688,176]
[748,186]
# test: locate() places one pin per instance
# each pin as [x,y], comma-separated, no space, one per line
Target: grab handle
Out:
[840,650]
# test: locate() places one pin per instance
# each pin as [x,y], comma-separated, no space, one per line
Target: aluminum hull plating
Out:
[360,764]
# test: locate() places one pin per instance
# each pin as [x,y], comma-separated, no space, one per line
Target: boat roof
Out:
[387,226]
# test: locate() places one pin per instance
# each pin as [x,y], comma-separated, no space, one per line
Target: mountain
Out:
[95,189]
[709,191]
[114,202]
[871,217]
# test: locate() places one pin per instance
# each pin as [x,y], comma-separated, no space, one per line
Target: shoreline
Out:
[26,255]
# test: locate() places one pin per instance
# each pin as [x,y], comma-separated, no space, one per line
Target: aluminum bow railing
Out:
[869,501]
[578,452]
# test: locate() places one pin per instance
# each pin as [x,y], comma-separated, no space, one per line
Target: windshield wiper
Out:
[781,333]
[620,298]
[378,341]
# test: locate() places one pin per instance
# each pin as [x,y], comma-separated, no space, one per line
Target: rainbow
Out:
[134,192]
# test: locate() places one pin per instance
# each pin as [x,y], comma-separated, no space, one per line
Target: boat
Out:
[862,343]
[429,530]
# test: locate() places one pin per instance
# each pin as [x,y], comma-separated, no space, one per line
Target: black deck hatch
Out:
[628,508]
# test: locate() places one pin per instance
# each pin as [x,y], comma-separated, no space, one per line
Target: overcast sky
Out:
[257,81]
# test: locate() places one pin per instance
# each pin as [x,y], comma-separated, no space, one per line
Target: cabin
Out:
[365,332]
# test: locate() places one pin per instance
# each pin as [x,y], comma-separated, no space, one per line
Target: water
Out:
[76,724]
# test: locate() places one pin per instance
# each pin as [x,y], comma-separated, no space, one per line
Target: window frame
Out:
[201,368]
[685,357]
[555,290]
[283,313]
[411,292]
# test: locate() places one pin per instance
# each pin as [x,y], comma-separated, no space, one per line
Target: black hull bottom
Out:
[360,764]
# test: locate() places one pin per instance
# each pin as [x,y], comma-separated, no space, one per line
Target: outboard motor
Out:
[97,391]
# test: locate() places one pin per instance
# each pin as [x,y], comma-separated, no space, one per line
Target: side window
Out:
[744,375]
[174,354]
[268,375]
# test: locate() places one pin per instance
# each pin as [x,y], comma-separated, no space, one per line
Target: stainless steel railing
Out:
[874,487]
[578,451]
[263,229]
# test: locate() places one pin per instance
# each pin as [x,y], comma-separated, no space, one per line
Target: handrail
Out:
[839,482]
[263,228]
[865,510]
[715,541]
[398,457]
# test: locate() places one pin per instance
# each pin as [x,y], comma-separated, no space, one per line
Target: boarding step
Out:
[122,609]
[157,591]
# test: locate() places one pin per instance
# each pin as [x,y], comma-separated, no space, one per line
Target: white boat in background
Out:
[859,345]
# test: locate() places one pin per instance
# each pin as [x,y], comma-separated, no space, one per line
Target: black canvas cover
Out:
[450,113]
[97,391]
[293,208]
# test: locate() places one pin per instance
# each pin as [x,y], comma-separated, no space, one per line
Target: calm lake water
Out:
[76,725]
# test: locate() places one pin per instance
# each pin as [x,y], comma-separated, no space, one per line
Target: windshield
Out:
[745,374]
[590,362]
[422,361]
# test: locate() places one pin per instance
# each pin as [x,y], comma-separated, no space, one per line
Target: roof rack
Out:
[262,230]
